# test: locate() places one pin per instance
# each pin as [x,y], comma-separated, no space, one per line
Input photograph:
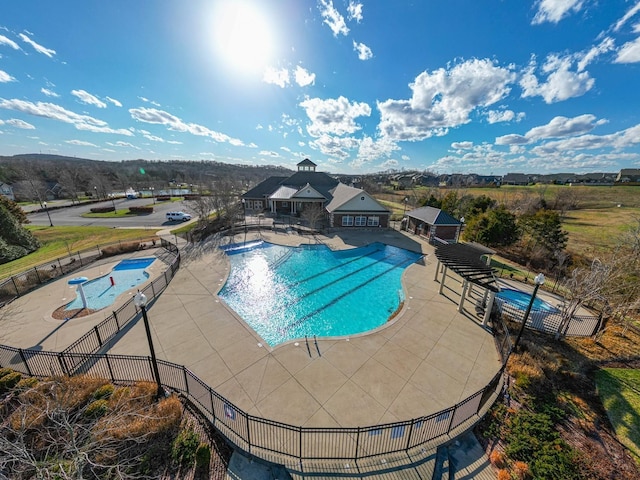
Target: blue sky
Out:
[474,86]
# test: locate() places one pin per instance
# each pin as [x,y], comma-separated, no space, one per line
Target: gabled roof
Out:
[283,193]
[309,192]
[433,216]
[344,194]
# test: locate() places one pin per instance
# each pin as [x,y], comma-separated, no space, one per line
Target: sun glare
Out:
[243,36]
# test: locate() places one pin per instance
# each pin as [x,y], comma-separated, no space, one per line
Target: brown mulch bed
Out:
[61,314]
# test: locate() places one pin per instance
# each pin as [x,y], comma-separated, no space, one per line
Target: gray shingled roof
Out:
[433,216]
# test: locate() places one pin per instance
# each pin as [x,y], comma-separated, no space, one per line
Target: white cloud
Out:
[37,47]
[370,149]
[355,11]
[88,99]
[146,100]
[558,127]
[630,13]
[276,77]
[555,10]
[20,124]
[333,116]
[160,117]
[561,83]
[7,41]
[462,145]
[153,138]
[332,146]
[56,112]
[303,77]
[496,116]
[114,101]
[606,45]
[123,145]
[629,137]
[364,52]
[629,52]
[389,165]
[269,153]
[5,77]
[333,18]
[49,93]
[80,143]
[444,99]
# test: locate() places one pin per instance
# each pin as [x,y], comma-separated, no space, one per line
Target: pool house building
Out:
[432,223]
[341,205]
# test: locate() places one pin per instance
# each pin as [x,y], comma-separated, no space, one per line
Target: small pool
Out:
[520,300]
[100,293]
[287,293]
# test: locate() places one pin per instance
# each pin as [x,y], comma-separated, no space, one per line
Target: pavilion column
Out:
[465,285]
[435,277]
[444,276]
[488,308]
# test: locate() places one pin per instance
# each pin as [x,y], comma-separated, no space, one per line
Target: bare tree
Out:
[313,214]
[74,428]
[72,180]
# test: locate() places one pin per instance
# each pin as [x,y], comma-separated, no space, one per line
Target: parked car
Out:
[178,217]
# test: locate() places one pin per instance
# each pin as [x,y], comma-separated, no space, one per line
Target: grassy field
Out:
[619,389]
[59,241]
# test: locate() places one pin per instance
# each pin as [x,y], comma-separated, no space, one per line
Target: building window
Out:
[373,221]
[285,204]
[347,221]
[361,221]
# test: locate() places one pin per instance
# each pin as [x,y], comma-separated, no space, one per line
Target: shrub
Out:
[183,449]
[76,391]
[503,474]
[497,459]
[9,381]
[120,248]
[97,408]
[521,470]
[141,210]
[5,371]
[102,209]
[104,391]
[164,198]
[203,457]
[27,383]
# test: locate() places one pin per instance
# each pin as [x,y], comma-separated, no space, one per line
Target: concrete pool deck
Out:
[428,358]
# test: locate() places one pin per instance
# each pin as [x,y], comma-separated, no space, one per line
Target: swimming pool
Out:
[100,293]
[285,293]
[520,300]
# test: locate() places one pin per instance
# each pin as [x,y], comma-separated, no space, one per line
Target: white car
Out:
[178,217]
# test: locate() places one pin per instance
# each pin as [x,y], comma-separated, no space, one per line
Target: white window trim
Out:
[347,221]
[373,221]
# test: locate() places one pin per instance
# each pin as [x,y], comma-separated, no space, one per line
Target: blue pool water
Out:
[521,300]
[126,275]
[285,293]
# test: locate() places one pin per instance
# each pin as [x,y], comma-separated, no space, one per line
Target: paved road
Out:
[72,215]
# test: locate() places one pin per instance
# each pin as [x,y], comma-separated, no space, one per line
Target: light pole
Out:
[113,202]
[153,195]
[140,301]
[538,280]
[95,191]
[47,210]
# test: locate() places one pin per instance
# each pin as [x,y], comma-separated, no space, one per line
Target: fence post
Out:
[13,279]
[355,458]
[63,364]
[35,269]
[24,361]
[95,329]
[109,367]
[116,318]
[410,433]
[153,290]
[80,258]
[300,445]
[246,415]
[186,383]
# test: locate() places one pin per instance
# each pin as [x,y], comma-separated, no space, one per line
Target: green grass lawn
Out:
[58,241]
[619,390]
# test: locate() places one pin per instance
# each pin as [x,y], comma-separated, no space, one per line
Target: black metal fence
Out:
[24,282]
[550,321]
[287,444]
[294,446]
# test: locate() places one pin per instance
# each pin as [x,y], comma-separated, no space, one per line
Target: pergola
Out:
[466,260]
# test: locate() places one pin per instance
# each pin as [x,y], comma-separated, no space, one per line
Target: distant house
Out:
[7,191]
[516,179]
[343,206]
[627,175]
[433,224]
